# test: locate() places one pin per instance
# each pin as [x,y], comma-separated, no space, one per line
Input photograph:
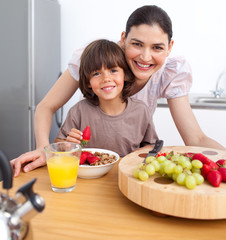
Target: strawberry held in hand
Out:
[86,135]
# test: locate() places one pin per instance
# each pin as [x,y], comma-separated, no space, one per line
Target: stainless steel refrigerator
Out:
[29,66]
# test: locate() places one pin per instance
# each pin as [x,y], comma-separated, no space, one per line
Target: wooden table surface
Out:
[97,210]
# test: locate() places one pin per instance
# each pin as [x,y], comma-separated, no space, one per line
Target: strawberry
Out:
[92,159]
[214,177]
[86,135]
[204,160]
[221,163]
[84,156]
[222,170]
[205,170]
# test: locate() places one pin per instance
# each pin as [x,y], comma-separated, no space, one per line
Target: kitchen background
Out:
[38,38]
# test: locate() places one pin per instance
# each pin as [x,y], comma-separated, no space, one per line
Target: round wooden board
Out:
[167,197]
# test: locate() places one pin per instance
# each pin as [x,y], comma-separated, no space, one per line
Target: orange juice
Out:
[63,170]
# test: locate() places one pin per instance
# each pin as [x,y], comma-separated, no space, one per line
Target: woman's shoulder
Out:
[176,77]
[74,63]
[177,64]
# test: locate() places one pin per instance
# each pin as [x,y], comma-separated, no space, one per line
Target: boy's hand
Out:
[75,136]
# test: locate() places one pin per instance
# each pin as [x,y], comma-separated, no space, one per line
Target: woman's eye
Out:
[136,44]
[158,48]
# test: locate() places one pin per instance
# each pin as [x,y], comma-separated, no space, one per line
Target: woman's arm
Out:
[58,95]
[187,124]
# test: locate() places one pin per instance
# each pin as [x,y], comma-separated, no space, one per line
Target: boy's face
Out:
[107,84]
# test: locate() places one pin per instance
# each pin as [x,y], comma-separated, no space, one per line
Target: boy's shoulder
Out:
[138,102]
[139,106]
[81,105]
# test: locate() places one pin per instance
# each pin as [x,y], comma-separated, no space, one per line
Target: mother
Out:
[147,43]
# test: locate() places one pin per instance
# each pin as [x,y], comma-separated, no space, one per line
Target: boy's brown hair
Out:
[107,54]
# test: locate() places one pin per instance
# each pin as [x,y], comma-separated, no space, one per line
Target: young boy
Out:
[117,122]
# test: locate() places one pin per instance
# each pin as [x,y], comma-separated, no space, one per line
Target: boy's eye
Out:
[95,74]
[114,70]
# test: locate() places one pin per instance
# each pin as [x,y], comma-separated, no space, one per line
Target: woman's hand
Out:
[32,160]
[75,136]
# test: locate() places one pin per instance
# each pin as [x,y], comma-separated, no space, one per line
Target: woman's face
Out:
[146,48]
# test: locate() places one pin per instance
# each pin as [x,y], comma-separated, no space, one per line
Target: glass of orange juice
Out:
[62,162]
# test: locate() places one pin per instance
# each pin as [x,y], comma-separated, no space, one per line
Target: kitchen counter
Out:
[96,209]
[194,99]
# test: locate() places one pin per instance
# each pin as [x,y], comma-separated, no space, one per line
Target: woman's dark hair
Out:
[107,54]
[150,15]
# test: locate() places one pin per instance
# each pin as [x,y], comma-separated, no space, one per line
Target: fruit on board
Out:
[175,166]
[222,170]
[214,177]
[86,135]
[204,160]
[221,163]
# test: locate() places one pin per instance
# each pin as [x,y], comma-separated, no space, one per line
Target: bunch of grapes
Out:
[177,167]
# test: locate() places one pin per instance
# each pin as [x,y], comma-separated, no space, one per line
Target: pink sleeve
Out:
[176,78]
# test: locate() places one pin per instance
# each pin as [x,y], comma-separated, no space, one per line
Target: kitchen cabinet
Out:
[211,121]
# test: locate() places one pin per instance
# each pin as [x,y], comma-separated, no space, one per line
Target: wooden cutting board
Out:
[163,196]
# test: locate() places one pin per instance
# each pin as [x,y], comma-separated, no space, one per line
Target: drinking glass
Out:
[62,162]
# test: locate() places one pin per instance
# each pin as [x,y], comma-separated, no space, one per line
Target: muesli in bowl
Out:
[97,164]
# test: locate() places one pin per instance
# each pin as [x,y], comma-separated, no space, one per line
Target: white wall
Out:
[199,31]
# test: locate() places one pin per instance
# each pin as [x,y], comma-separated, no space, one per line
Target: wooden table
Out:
[97,210]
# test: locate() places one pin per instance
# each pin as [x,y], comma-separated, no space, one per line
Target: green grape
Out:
[161,159]
[150,159]
[196,164]
[181,178]
[174,176]
[166,163]
[181,159]
[198,178]
[161,169]
[175,158]
[190,182]
[186,164]
[143,176]
[196,170]
[150,169]
[136,173]
[169,168]
[187,171]
[156,165]
[140,165]
[178,169]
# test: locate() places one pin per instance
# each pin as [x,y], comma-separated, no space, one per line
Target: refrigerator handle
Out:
[59,121]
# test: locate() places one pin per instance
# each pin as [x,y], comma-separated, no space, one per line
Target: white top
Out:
[173,79]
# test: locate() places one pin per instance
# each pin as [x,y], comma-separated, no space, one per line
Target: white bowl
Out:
[89,172]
